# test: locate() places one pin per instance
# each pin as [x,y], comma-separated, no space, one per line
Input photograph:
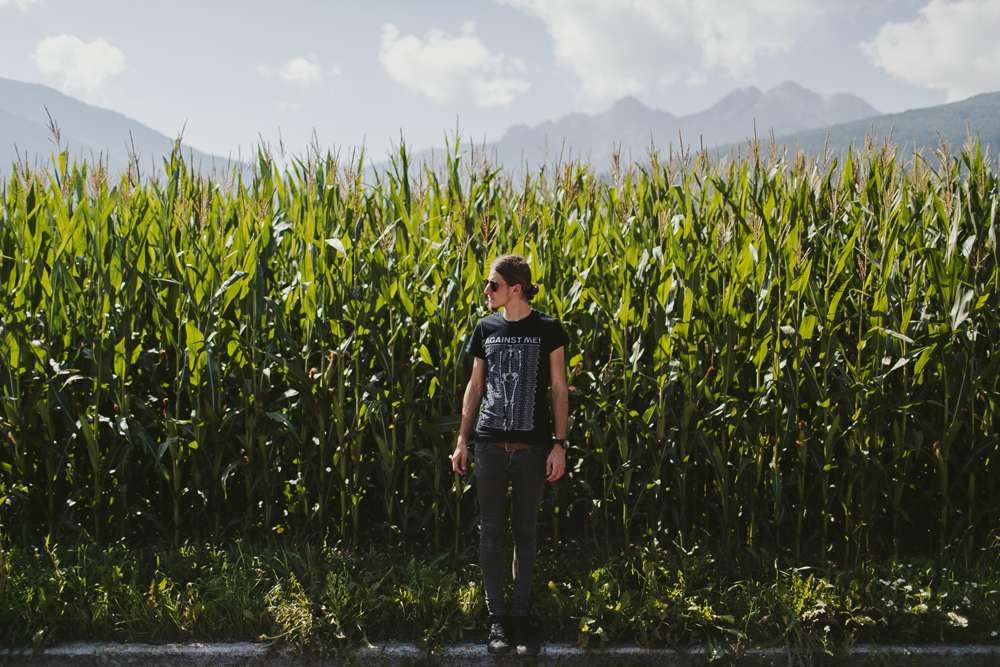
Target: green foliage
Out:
[770,353]
[323,599]
[682,603]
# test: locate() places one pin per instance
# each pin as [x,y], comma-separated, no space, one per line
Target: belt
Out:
[511,446]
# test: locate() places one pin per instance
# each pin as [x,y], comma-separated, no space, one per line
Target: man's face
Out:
[503,294]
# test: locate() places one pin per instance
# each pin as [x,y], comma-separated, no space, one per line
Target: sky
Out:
[234,73]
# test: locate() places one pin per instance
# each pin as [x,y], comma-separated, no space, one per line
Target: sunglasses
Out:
[494,285]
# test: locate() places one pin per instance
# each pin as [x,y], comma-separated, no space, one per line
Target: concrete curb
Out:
[80,654]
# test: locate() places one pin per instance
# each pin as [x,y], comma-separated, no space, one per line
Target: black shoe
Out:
[523,636]
[497,643]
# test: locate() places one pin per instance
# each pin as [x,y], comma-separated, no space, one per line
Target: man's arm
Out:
[470,407]
[555,466]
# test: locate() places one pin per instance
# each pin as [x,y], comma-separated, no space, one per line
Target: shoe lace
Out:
[496,628]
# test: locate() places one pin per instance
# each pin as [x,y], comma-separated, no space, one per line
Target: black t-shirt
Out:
[516,406]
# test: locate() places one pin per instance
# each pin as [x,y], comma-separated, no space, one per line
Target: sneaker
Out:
[497,643]
[523,636]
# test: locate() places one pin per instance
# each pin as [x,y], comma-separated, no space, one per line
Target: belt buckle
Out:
[510,446]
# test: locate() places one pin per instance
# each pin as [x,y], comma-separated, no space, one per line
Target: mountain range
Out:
[977,116]
[87,132]
[794,115]
[631,127]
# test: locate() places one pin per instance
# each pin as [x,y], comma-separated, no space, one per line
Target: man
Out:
[518,355]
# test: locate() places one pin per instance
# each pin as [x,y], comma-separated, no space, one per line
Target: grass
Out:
[319,597]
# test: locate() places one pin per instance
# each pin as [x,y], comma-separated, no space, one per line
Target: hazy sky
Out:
[236,72]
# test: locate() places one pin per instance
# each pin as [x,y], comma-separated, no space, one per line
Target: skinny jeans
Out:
[524,472]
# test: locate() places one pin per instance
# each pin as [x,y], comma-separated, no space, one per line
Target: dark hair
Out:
[515,271]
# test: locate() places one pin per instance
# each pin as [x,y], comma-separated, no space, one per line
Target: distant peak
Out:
[627,104]
[788,87]
[747,95]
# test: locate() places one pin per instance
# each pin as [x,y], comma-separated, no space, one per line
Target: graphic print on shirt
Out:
[510,391]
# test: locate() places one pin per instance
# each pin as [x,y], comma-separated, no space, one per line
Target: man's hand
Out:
[459,457]
[555,465]
[470,406]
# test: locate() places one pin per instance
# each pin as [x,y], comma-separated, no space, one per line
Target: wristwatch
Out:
[563,442]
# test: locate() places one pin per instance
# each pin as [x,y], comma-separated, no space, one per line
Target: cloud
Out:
[951,46]
[301,71]
[21,4]
[446,68]
[624,47]
[81,65]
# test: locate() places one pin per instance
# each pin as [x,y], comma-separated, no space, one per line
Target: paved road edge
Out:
[465,655]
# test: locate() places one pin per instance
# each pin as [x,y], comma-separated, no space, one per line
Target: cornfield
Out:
[770,352]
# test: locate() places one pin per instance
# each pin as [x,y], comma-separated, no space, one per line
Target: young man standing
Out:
[518,355]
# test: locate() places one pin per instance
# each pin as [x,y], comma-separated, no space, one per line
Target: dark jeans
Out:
[524,471]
